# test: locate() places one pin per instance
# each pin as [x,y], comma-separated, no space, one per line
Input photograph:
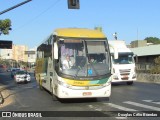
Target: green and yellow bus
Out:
[90,73]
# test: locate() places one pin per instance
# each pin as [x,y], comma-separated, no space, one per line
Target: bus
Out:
[90,74]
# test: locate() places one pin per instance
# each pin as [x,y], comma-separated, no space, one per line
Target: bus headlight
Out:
[63,84]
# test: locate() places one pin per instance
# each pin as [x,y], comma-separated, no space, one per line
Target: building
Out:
[32,57]
[138,43]
[147,54]
[19,53]
[6,54]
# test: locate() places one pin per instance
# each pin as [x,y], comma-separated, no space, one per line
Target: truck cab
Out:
[123,67]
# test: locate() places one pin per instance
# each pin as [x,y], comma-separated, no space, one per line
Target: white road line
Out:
[99,109]
[152,101]
[121,118]
[119,107]
[95,108]
[142,105]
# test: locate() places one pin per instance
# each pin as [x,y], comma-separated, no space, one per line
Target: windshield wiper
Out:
[80,67]
[92,66]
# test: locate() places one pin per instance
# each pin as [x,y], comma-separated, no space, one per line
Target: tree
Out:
[5,26]
[153,40]
[156,68]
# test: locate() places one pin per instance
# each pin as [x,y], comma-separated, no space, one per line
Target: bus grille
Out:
[125,71]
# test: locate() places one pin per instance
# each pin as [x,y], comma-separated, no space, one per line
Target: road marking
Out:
[120,107]
[152,101]
[121,118]
[142,105]
[105,112]
[95,108]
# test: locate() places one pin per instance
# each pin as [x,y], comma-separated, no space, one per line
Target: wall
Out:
[145,77]
[138,43]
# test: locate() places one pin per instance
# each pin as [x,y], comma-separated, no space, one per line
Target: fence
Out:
[144,67]
[144,74]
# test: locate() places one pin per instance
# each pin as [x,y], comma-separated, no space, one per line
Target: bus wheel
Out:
[40,85]
[130,83]
[54,98]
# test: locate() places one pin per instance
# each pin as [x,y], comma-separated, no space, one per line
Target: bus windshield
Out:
[124,58]
[84,58]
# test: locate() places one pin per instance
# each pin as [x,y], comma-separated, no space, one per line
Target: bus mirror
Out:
[55,51]
[135,58]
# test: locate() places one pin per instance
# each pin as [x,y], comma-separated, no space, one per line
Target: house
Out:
[147,54]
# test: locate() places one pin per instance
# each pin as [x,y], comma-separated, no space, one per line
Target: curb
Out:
[8,98]
[6,95]
[1,98]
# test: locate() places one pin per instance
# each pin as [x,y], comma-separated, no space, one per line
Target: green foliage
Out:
[153,40]
[4,62]
[5,26]
[156,68]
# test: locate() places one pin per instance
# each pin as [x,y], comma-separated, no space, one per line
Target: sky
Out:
[36,20]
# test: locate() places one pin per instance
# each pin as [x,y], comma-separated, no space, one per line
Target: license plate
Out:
[125,76]
[87,93]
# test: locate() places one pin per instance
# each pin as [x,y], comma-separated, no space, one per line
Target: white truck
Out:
[123,68]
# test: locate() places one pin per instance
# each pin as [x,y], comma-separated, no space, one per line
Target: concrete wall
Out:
[138,43]
[145,77]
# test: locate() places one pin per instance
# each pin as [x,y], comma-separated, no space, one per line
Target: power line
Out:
[11,8]
[36,17]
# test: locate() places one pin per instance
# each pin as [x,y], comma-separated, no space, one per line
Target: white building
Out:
[32,56]
[6,53]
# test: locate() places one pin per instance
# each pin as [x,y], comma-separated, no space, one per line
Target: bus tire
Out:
[130,83]
[54,98]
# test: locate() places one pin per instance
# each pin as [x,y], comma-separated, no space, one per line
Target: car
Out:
[22,76]
[8,69]
[13,71]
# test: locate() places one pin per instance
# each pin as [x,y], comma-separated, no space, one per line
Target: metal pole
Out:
[15,6]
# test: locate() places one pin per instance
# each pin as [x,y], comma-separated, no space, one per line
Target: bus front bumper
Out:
[63,92]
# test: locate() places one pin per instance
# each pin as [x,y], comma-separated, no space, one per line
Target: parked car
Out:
[13,71]
[8,69]
[22,76]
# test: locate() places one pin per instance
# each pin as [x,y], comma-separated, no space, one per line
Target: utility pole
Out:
[137,34]
[11,8]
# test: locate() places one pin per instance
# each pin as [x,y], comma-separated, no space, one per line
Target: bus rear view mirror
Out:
[135,58]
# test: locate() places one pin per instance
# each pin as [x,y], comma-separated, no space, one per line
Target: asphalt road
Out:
[138,98]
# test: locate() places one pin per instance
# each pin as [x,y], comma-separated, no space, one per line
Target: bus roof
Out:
[79,32]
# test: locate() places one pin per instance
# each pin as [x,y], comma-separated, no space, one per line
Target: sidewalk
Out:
[8,98]
[6,94]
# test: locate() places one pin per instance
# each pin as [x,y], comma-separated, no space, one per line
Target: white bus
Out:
[89,76]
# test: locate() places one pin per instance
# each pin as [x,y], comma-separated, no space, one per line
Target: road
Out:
[135,98]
